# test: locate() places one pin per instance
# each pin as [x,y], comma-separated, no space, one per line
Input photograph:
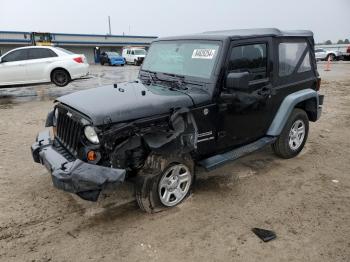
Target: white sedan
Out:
[39,64]
[323,54]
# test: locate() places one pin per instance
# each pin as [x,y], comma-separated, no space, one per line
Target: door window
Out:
[17,55]
[38,53]
[290,55]
[251,59]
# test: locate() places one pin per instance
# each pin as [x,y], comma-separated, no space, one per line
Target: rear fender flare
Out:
[287,107]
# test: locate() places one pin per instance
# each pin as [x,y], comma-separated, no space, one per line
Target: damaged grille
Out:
[69,130]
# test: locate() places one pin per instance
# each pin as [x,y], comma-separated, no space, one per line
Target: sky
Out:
[327,19]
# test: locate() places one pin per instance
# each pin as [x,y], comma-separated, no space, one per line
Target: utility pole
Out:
[109,25]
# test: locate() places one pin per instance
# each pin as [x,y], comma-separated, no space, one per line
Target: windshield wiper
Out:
[175,80]
[149,76]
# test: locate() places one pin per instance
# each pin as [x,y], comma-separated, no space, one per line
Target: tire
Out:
[332,57]
[122,64]
[159,182]
[136,63]
[60,77]
[102,63]
[290,143]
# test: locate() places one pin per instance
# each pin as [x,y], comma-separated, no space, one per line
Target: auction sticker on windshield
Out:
[203,53]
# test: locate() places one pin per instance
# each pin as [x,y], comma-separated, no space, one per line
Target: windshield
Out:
[112,54]
[186,58]
[139,52]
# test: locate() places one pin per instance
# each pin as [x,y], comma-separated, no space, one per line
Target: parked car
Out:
[112,58]
[346,55]
[200,100]
[39,64]
[134,55]
[323,54]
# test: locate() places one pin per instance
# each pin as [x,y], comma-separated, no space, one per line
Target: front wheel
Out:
[60,77]
[294,135]
[164,182]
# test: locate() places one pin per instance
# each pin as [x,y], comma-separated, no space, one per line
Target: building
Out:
[91,45]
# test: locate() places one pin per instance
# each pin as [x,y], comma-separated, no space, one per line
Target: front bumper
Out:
[84,179]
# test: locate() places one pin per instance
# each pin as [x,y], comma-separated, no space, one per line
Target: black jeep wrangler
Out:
[200,100]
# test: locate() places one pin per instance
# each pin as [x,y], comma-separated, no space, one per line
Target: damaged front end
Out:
[123,150]
[74,176]
[129,144]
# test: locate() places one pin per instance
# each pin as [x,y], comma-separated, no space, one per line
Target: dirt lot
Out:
[306,200]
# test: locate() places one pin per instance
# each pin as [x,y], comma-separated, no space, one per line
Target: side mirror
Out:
[238,81]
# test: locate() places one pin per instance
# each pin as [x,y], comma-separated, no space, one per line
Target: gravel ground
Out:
[305,200]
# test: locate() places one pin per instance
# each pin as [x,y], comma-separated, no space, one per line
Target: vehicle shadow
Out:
[223,180]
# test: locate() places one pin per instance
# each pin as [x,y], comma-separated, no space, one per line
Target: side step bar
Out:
[218,160]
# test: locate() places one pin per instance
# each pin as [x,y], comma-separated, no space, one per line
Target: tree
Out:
[346,41]
[340,42]
[328,42]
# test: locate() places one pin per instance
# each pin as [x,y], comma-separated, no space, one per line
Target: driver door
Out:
[246,116]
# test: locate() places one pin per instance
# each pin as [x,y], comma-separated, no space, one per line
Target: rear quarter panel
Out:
[74,69]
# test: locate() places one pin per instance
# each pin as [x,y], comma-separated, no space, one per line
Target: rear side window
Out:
[38,53]
[293,57]
[305,65]
[17,55]
[249,58]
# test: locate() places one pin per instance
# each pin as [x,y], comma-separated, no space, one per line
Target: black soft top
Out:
[241,33]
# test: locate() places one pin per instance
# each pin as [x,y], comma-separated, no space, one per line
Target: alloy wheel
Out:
[174,184]
[296,134]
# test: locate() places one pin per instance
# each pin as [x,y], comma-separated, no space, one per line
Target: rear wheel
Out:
[294,135]
[60,77]
[164,182]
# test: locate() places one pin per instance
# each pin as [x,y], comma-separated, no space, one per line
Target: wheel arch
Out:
[310,107]
[306,99]
[62,68]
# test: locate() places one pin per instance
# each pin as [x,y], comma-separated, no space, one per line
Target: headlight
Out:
[91,135]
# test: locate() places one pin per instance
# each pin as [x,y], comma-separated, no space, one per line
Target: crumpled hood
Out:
[125,102]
